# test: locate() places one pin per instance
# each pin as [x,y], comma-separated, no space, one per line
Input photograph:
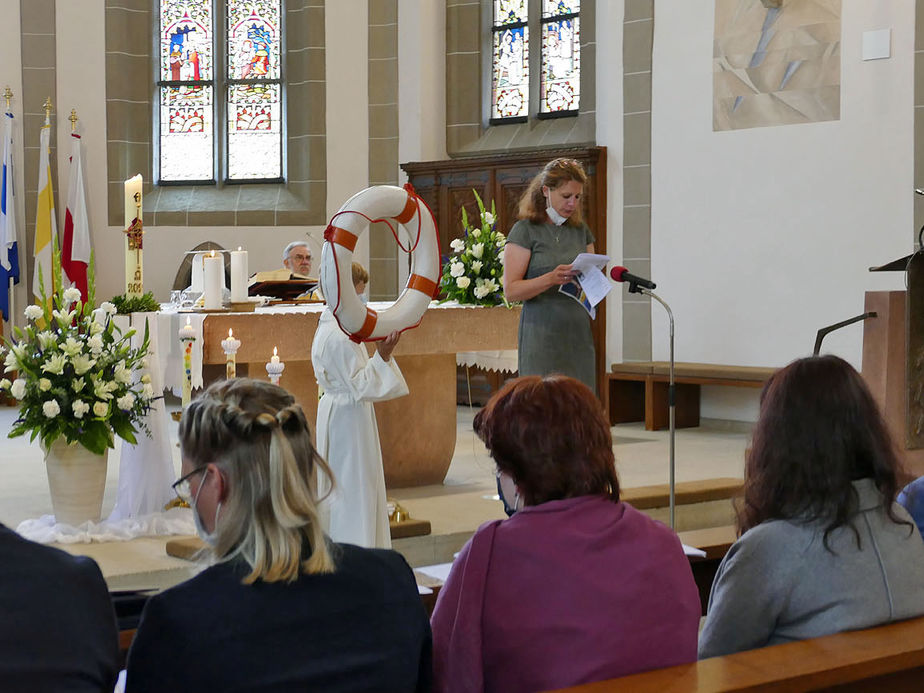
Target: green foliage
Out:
[474,273]
[75,370]
[126,305]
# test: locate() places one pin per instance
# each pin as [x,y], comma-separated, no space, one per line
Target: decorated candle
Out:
[187,337]
[133,229]
[214,266]
[275,367]
[230,347]
[238,275]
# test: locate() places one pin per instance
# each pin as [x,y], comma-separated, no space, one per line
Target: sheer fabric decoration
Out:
[560,74]
[233,125]
[510,81]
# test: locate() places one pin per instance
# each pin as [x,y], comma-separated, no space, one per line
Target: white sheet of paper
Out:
[591,277]
[693,551]
[440,571]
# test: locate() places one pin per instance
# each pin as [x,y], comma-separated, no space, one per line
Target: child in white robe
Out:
[347,434]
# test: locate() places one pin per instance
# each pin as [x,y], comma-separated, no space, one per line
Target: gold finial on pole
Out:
[8,95]
[47,108]
[73,118]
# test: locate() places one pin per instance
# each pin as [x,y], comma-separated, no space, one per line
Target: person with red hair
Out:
[576,586]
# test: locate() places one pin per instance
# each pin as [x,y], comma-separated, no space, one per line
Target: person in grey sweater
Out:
[823,546]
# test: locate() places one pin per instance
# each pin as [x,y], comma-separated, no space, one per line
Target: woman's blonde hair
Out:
[359,274]
[553,174]
[259,438]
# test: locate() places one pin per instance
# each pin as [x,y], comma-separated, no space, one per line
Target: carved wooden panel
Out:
[447,187]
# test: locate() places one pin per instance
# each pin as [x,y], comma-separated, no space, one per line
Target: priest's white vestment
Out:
[347,434]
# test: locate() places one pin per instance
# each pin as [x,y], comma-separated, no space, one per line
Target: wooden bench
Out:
[885,658]
[639,391]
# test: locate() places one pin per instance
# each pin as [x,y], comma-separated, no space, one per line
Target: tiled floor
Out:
[455,508]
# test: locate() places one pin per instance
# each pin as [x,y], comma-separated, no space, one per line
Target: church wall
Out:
[761,236]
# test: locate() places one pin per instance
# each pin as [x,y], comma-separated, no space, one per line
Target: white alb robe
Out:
[347,433]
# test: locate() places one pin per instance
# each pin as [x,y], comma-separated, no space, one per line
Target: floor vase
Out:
[77,480]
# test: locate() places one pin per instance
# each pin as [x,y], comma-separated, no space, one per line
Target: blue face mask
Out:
[210,538]
[500,492]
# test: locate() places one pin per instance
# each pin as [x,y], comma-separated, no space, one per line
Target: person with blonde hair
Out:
[554,334]
[351,381]
[282,608]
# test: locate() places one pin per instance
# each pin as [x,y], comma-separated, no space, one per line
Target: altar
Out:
[418,432]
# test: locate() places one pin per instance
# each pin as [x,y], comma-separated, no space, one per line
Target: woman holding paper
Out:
[554,332]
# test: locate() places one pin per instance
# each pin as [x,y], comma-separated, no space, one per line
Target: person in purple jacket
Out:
[575,586]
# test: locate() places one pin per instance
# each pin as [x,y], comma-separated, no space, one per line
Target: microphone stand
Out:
[636,289]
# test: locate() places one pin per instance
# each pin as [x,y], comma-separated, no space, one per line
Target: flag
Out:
[9,249]
[45,222]
[75,244]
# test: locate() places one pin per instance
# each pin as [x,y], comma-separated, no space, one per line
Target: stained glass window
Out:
[510,82]
[240,115]
[560,74]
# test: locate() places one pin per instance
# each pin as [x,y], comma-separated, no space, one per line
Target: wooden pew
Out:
[637,391]
[885,658]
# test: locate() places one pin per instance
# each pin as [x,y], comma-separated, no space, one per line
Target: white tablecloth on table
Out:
[46,531]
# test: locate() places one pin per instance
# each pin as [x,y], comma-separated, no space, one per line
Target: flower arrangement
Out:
[75,371]
[474,273]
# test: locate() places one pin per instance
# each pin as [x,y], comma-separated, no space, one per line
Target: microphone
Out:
[621,274]
[919,191]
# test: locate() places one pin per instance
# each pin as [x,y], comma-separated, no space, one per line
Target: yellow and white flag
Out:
[46,225]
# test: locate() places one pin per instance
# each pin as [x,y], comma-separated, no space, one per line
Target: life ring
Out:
[386,203]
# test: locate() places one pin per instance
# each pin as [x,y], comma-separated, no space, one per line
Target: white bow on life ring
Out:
[386,203]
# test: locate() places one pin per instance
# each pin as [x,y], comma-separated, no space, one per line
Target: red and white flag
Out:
[75,245]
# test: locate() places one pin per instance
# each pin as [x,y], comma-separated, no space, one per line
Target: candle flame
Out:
[229,333]
[213,253]
[187,319]
[239,247]
[274,352]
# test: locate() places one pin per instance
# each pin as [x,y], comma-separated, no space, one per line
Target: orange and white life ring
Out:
[386,203]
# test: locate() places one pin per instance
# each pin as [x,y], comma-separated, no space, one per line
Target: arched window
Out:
[559,62]
[220,91]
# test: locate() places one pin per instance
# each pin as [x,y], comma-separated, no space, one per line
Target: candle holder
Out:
[187,337]
[275,367]
[230,346]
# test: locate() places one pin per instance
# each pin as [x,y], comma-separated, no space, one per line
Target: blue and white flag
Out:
[9,250]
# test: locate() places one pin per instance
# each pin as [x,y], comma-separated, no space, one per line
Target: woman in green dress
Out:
[554,332]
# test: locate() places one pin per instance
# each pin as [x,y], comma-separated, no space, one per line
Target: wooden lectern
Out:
[893,357]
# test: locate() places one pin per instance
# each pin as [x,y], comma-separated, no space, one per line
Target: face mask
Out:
[363,299]
[210,538]
[507,508]
[556,218]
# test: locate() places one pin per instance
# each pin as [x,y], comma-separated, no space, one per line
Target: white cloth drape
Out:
[355,512]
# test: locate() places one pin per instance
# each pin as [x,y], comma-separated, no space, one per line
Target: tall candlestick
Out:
[230,346]
[274,368]
[238,275]
[134,231]
[212,281]
[187,337]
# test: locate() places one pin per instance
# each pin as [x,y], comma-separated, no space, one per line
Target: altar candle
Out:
[197,271]
[187,337]
[238,276]
[230,346]
[274,368]
[212,281]
[134,277]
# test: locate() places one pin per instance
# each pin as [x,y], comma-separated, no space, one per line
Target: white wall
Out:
[608,30]
[761,236]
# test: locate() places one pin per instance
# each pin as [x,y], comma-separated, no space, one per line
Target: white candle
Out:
[134,278]
[197,272]
[187,337]
[230,347]
[212,281]
[275,357]
[275,368]
[239,275]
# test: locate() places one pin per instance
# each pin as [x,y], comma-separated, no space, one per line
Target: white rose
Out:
[100,409]
[5,384]
[18,388]
[147,391]
[478,250]
[480,291]
[476,232]
[33,312]
[80,408]
[82,364]
[126,402]
[44,384]
[107,307]
[476,266]
[55,364]
[463,282]
[456,269]
[51,408]
[458,245]
[71,294]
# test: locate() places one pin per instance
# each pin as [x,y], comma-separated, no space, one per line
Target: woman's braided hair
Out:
[259,438]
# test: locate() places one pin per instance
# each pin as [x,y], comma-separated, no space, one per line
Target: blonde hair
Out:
[552,175]
[359,274]
[259,438]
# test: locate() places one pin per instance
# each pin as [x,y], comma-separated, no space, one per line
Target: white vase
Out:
[77,480]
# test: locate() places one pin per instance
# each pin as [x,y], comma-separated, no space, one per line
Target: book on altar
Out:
[589,285]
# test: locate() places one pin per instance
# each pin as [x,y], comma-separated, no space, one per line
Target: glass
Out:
[185,40]
[186,140]
[556,8]
[510,81]
[254,131]
[181,486]
[509,12]
[560,70]
[176,298]
[253,39]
